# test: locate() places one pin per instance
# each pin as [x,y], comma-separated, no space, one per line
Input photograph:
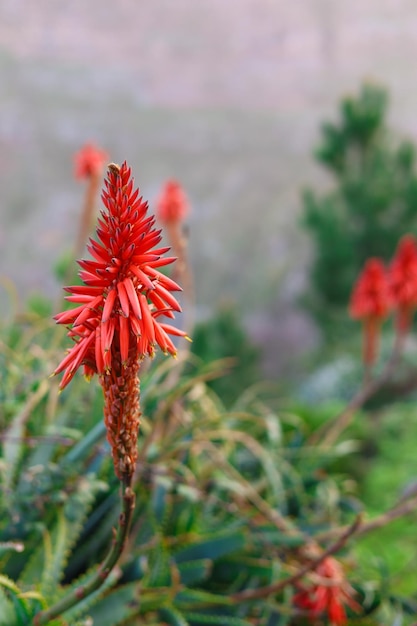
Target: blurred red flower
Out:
[329,593]
[89,161]
[403,281]
[172,204]
[371,302]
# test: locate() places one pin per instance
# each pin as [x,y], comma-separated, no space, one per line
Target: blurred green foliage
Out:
[223,336]
[372,204]
[211,484]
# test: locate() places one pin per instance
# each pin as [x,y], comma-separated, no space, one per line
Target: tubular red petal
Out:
[67,377]
[133,297]
[147,319]
[162,261]
[124,339]
[97,253]
[83,289]
[67,317]
[98,351]
[80,298]
[163,340]
[168,297]
[167,282]
[140,259]
[158,302]
[107,336]
[91,266]
[82,317]
[123,298]
[160,252]
[135,325]
[108,305]
[172,330]
[86,314]
[143,278]
[75,355]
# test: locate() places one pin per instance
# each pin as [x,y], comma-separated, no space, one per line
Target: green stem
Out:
[119,542]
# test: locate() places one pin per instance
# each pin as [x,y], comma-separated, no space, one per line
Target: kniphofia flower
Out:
[370,302]
[89,161]
[403,281]
[328,594]
[120,305]
[172,204]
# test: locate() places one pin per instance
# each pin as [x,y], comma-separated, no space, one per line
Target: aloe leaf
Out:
[200,619]
[20,606]
[116,606]
[193,572]
[195,597]
[217,546]
[51,561]
[83,607]
[160,504]
[236,565]
[173,617]
[86,444]
[7,612]
[13,438]
[159,568]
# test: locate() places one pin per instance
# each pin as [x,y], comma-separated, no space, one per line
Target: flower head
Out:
[89,161]
[371,302]
[370,295]
[329,593]
[172,204]
[117,320]
[403,281]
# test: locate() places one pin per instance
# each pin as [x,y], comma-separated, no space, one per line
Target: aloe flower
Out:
[120,305]
[89,161]
[172,204]
[403,282]
[329,593]
[371,302]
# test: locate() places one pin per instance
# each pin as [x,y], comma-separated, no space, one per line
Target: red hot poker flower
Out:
[117,320]
[172,205]
[403,281]
[370,301]
[330,593]
[89,161]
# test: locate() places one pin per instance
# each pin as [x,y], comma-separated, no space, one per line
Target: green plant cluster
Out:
[373,201]
[225,498]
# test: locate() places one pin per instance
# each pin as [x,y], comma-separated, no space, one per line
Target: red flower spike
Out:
[329,593]
[172,204]
[89,161]
[371,302]
[403,282]
[116,324]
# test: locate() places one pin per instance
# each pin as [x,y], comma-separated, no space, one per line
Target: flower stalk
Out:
[89,163]
[172,209]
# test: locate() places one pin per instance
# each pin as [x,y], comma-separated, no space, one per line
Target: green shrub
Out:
[223,337]
[372,204]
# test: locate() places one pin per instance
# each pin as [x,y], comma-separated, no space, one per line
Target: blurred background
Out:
[227,97]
